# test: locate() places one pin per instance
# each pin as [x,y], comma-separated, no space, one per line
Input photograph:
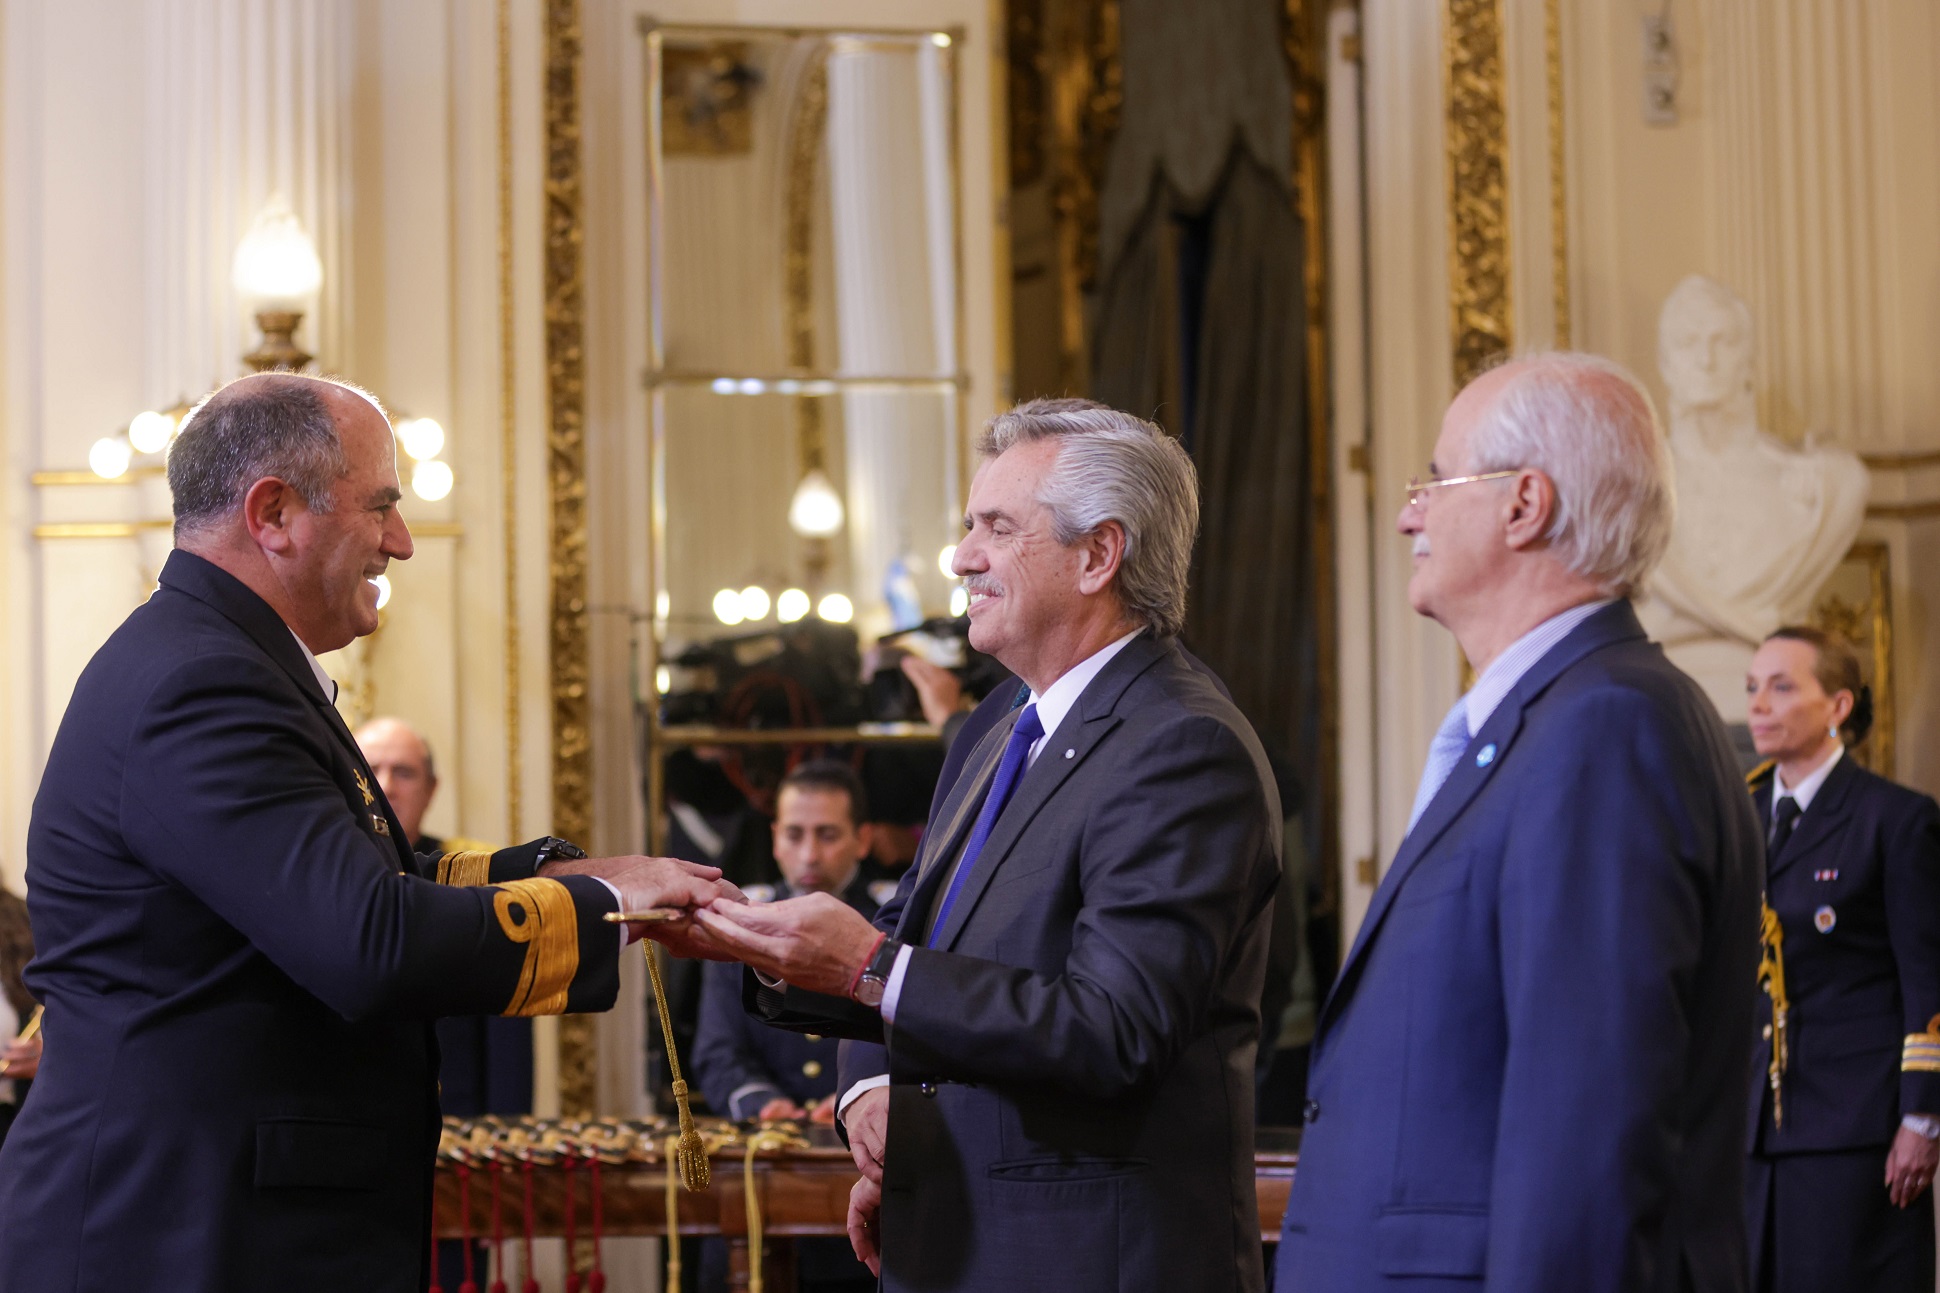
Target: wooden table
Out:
[801,1191]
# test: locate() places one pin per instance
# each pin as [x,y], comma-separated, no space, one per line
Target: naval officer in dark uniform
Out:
[1845,1129]
[751,1071]
[238,953]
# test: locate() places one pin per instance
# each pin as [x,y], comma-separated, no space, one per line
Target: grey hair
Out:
[268,424]
[1591,427]
[1112,466]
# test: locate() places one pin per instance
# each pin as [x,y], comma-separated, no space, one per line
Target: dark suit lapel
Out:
[208,583]
[1089,721]
[944,840]
[1828,813]
[1485,753]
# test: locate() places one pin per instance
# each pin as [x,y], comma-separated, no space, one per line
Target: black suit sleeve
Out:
[232,797]
[1176,869]
[1913,926]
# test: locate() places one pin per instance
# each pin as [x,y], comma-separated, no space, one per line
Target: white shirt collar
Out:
[1507,669]
[324,680]
[1060,696]
[1806,789]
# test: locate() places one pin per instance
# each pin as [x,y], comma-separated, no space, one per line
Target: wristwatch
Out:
[1922,1123]
[554,849]
[875,975]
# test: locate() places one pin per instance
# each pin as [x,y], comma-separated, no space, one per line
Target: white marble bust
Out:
[1760,524]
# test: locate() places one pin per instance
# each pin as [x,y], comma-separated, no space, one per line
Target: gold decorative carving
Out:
[1304,38]
[1477,142]
[1858,605]
[508,423]
[565,317]
[808,127]
[706,99]
[1559,240]
[1024,86]
[1087,98]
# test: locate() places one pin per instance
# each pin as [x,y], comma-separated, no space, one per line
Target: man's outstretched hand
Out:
[816,941]
[664,883]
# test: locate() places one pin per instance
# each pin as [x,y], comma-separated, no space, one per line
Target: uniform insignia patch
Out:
[380,825]
[363,787]
[1485,756]
[1824,919]
[1830,873]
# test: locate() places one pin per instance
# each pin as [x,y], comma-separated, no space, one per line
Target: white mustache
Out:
[983,585]
[1421,545]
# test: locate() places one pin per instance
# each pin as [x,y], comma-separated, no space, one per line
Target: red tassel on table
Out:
[498,1232]
[531,1281]
[470,1283]
[567,1163]
[596,1282]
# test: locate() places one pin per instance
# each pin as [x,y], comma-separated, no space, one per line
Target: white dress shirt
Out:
[1808,786]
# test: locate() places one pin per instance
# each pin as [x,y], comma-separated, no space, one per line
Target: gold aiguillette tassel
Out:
[691,1154]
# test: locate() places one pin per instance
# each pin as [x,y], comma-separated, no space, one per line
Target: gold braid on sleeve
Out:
[463,868]
[1922,1053]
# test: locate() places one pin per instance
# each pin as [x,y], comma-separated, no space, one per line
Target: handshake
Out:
[816,941]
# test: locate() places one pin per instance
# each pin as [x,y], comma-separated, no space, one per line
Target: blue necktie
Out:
[1010,770]
[1451,738]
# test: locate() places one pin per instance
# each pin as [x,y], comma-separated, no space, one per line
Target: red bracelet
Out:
[864,969]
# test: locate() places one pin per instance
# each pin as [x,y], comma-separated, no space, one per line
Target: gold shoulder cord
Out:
[1771,976]
[691,1153]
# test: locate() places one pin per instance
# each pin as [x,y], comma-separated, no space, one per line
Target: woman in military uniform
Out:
[1846,1107]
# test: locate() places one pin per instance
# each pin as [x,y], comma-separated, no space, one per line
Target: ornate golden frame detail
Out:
[1559,234]
[508,435]
[1477,142]
[1869,627]
[565,289]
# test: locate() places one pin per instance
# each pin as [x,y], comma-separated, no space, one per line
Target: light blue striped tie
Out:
[1451,738]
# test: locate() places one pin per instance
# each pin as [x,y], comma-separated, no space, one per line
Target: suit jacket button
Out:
[812,1069]
[1767,1032]
[1313,1111]
[928,1089]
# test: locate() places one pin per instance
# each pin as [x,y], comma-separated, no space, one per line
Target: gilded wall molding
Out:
[508,434]
[1086,78]
[1559,243]
[1477,143]
[805,135]
[565,315]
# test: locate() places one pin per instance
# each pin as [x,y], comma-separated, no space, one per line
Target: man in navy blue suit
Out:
[239,954]
[1531,1072]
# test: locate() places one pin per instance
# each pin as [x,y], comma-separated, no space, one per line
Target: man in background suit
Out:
[238,953]
[751,1072]
[1531,1073]
[1050,1078]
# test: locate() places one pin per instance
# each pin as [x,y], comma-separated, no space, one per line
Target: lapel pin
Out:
[1824,919]
[1070,754]
[363,787]
[1485,756]
[1830,873]
[379,825]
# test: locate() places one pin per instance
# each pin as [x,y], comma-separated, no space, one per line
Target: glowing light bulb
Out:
[276,265]
[940,39]
[431,481]
[792,605]
[836,609]
[383,585]
[663,680]
[946,560]
[754,603]
[149,431]
[108,458]
[959,602]
[727,607]
[422,438]
[816,510]
[663,604]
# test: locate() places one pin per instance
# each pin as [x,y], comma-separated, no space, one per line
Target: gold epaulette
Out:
[1771,977]
[1922,1053]
[465,863]
[540,914]
[1759,773]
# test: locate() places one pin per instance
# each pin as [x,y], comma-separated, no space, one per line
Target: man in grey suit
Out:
[1049,1082]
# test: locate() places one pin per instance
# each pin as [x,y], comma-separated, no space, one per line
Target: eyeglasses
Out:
[1418,488]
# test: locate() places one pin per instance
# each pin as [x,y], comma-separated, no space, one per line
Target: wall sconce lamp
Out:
[277,271]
